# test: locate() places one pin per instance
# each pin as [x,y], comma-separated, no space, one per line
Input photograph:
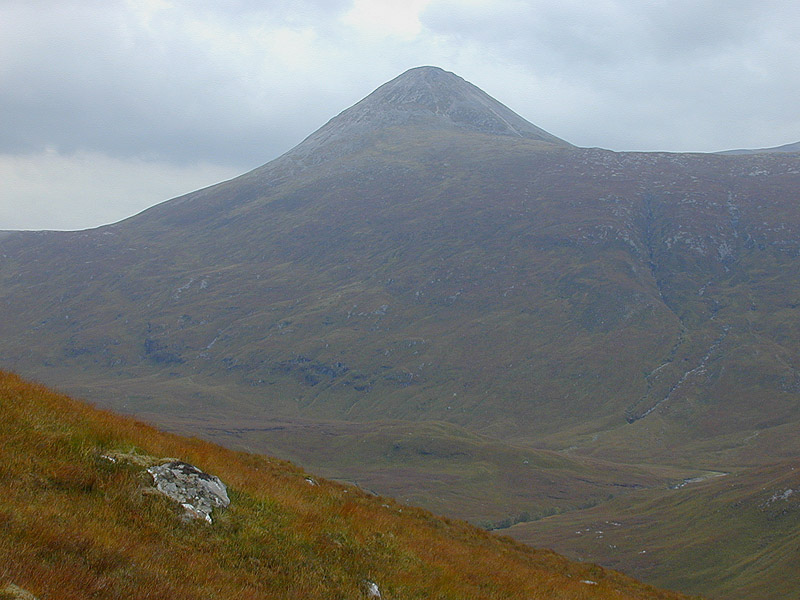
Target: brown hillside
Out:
[76,525]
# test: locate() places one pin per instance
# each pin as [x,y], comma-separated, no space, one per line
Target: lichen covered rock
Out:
[199,493]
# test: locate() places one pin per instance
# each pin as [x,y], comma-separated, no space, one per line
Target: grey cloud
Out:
[99,76]
[53,191]
[680,75]
[92,76]
[569,32]
[301,10]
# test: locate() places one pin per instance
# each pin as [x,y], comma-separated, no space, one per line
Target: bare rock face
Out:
[199,493]
[439,99]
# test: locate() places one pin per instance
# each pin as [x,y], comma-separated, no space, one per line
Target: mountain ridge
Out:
[791,147]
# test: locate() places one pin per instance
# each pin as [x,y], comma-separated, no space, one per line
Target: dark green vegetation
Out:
[75,525]
[450,291]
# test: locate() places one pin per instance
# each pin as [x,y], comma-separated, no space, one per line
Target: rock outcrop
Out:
[14,592]
[199,493]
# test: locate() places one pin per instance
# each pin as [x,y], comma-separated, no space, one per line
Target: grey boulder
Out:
[199,493]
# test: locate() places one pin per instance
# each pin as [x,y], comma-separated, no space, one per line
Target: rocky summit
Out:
[431,98]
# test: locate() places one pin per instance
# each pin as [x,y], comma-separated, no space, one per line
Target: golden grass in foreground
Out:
[74,525]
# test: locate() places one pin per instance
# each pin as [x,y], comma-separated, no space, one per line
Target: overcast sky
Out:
[110,106]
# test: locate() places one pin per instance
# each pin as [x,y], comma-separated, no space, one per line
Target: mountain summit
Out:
[426,98]
[439,99]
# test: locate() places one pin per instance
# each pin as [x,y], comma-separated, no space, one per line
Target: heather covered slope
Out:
[75,525]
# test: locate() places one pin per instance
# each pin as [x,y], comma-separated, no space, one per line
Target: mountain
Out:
[81,518]
[435,298]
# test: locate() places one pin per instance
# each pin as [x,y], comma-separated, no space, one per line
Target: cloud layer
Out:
[208,89]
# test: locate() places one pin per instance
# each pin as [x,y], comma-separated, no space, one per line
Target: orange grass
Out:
[74,525]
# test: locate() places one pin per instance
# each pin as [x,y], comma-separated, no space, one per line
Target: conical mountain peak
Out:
[440,98]
[428,99]
[422,89]
[435,98]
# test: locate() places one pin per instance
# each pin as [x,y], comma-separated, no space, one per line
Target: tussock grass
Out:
[76,525]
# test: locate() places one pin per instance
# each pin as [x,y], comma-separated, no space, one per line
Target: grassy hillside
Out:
[445,468]
[734,536]
[75,525]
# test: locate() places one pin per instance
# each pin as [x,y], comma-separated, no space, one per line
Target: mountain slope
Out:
[479,284]
[795,147]
[429,266]
[425,97]
[731,536]
[75,524]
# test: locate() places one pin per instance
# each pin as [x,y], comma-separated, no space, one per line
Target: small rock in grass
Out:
[199,493]
[372,589]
